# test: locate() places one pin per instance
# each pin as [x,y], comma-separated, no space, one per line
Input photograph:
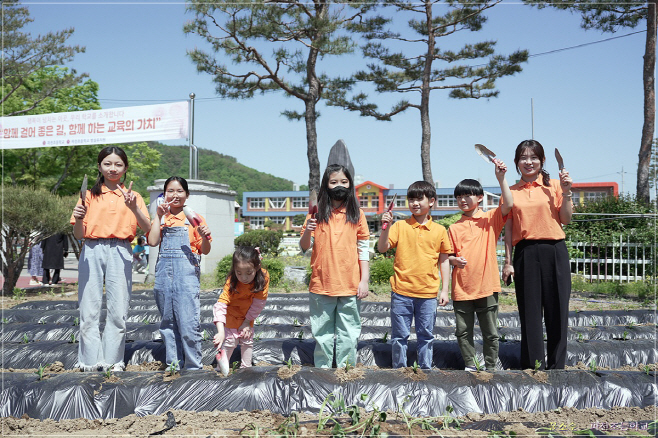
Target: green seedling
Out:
[5,321]
[205,335]
[257,338]
[580,337]
[18,294]
[72,339]
[42,321]
[592,365]
[647,369]
[300,335]
[257,321]
[173,367]
[235,366]
[478,365]
[26,339]
[385,338]
[40,370]
[108,373]
[76,321]
[537,365]
[347,366]
[289,363]
[624,336]
[630,325]
[503,338]
[145,321]
[594,323]
[414,367]
[295,322]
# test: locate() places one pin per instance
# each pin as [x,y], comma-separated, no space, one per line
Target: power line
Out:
[550,52]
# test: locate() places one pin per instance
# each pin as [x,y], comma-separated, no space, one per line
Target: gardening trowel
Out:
[560,161]
[390,207]
[485,153]
[192,217]
[222,362]
[313,204]
[83,190]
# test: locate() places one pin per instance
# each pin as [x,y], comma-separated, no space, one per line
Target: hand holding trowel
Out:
[565,179]
[313,204]
[80,211]
[488,156]
[388,212]
[194,219]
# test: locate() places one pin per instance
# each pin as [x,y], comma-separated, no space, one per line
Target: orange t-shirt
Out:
[335,258]
[416,267]
[536,211]
[108,216]
[178,220]
[239,302]
[475,238]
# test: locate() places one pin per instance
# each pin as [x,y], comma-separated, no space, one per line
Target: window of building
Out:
[256,223]
[299,202]
[594,196]
[277,203]
[363,201]
[446,201]
[374,202]
[278,220]
[256,203]
[401,201]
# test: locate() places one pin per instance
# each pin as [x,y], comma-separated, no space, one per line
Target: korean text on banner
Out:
[118,125]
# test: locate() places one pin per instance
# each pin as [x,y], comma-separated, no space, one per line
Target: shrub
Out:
[223,268]
[267,240]
[381,269]
[275,267]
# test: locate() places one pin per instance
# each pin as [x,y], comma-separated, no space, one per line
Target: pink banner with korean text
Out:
[168,121]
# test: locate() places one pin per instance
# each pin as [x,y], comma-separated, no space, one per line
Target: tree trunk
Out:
[426,130]
[11,270]
[310,117]
[644,157]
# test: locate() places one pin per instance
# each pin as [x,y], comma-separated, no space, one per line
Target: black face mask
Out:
[339,193]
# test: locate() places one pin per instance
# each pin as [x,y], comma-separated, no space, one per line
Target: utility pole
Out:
[622,179]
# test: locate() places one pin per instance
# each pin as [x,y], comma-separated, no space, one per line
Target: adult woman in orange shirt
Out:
[541,269]
[107,220]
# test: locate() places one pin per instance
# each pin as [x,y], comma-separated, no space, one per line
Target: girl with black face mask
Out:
[340,261]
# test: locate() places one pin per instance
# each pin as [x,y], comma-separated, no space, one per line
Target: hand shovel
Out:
[313,204]
[485,153]
[222,362]
[192,216]
[560,161]
[390,207]
[83,190]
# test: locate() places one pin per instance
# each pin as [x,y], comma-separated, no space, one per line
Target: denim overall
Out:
[177,296]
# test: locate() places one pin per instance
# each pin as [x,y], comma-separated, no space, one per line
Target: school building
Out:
[282,206]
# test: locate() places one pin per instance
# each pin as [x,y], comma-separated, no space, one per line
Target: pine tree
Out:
[468,73]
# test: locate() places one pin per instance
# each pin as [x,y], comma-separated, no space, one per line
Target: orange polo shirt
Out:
[536,211]
[239,302]
[108,216]
[475,238]
[335,258]
[178,220]
[416,267]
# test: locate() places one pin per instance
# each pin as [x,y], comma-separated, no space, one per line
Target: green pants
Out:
[337,317]
[487,311]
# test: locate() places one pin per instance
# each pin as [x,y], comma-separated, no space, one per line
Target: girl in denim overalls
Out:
[177,274]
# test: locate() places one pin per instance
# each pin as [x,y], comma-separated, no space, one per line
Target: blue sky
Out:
[587,101]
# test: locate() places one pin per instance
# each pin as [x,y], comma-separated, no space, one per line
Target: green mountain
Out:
[215,167]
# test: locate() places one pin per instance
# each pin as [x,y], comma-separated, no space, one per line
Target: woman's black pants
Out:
[543,287]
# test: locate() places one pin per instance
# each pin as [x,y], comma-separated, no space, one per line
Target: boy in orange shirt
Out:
[475,281]
[422,246]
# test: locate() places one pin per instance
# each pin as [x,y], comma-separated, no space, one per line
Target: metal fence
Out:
[622,261]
